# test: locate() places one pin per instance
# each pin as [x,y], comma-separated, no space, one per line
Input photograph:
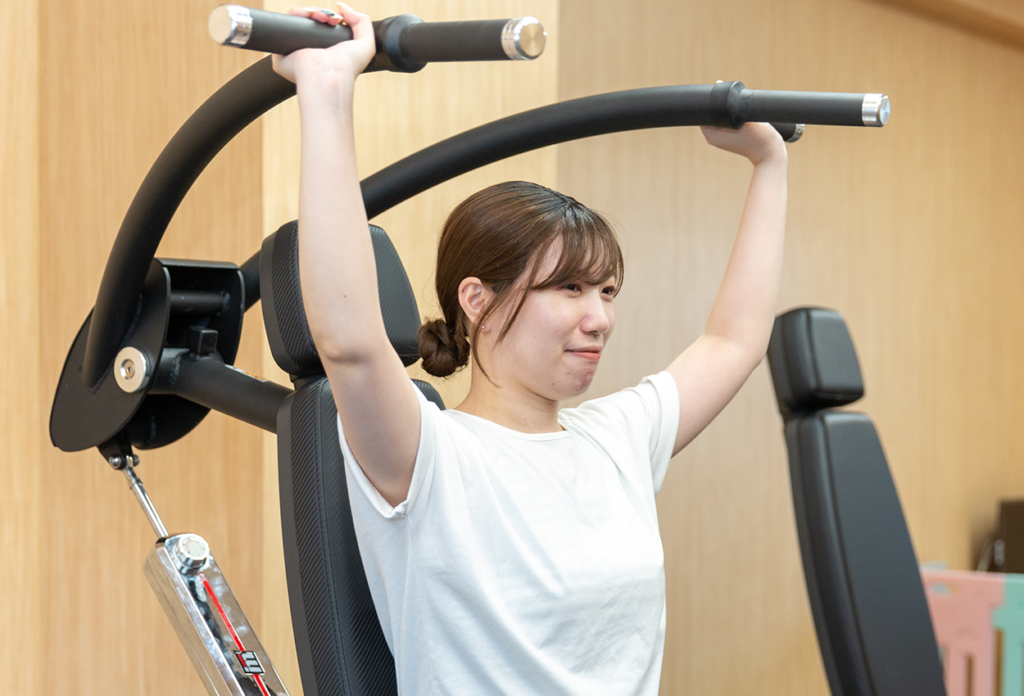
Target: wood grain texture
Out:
[22,418]
[116,82]
[998,20]
[912,232]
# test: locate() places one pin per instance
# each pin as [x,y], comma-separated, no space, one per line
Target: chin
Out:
[577,385]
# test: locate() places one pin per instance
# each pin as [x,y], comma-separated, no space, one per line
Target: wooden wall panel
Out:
[998,20]
[116,82]
[912,232]
[21,414]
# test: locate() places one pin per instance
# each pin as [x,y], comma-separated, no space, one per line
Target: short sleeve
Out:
[664,425]
[636,426]
[422,468]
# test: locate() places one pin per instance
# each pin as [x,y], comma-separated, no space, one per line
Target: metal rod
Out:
[197,302]
[135,483]
[207,381]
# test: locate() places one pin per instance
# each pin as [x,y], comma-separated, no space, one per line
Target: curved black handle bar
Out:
[234,106]
[726,104]
[404,43]
[259,88]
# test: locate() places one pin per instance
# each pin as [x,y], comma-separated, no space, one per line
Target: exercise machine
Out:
[157,351]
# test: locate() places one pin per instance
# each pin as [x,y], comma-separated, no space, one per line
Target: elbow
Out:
[348,350]
[753,352]
[745,355]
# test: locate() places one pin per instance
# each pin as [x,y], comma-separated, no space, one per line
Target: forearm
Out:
[744,309]
[336,262]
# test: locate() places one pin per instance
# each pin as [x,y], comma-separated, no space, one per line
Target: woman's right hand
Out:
[346,59]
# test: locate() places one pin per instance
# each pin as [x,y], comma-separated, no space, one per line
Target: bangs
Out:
[590,253]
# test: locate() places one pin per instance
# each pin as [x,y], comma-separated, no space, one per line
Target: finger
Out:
[332,17]
[318,14]
[360,23]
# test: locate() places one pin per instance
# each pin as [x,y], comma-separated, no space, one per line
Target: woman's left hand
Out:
[758,142]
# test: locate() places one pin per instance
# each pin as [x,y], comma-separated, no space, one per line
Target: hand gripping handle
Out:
[404,43]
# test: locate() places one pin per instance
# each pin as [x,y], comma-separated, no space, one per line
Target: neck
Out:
[509,405]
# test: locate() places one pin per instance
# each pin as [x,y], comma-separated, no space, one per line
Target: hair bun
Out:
[443,351]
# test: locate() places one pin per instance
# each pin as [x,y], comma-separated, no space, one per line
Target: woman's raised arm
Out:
[710,372]
[375,400]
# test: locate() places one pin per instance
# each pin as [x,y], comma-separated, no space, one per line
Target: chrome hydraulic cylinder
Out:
[212,627]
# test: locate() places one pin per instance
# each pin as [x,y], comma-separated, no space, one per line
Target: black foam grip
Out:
[274,32]
[443,42]
[823,108]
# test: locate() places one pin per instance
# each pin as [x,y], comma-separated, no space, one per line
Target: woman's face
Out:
[554,346]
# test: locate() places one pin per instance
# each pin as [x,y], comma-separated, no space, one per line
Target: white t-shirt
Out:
[525,563]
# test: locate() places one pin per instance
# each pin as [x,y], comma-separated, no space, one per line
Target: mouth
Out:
[591,354]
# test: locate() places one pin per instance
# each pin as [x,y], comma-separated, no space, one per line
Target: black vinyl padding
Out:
[288,333]
[813,361]
[863,581]
[340,645]
[338,638]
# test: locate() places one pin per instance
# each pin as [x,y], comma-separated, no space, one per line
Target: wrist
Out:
[316,77]
[775,158]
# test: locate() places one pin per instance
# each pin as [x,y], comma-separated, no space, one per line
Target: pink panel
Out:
[961,605]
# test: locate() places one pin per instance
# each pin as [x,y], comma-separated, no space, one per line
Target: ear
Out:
[474,297]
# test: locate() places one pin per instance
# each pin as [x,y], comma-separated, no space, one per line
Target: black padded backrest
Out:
[863,581]
[813,362]
[865,588]
[340,645]
[287,331]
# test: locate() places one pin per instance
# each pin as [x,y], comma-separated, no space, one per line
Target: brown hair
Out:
[499,235]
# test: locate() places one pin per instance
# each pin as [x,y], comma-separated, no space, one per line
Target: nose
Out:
[599,316]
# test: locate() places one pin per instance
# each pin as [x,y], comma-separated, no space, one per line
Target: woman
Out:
[511,546]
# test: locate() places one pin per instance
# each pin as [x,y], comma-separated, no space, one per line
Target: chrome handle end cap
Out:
[875,110]
[230,25]
[523,38]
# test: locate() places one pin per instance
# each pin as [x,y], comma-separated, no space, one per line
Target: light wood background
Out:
[912,232]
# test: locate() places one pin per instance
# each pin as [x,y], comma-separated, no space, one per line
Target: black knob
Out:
[202,340]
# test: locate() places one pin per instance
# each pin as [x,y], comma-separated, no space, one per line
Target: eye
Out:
[572,287]
[609,290]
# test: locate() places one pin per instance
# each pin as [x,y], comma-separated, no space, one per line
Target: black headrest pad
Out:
[812,360]
[281,294]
